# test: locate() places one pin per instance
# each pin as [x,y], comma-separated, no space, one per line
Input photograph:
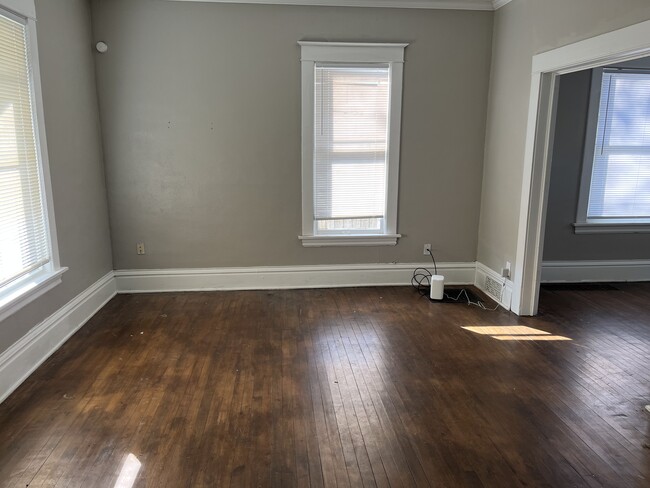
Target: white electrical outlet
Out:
[140,248]
[427,249]
[505,272]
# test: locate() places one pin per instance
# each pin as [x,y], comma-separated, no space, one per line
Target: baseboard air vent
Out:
[493,288]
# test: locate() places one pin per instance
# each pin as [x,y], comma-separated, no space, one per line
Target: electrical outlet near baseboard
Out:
[139,248]
[427,249]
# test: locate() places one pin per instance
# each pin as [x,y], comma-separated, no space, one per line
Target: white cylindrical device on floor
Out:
[437,287]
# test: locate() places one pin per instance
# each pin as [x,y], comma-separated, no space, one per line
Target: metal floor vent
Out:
[493,288]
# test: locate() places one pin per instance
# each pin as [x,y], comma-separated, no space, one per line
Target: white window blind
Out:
[24,245]
[620,182]
[351,116]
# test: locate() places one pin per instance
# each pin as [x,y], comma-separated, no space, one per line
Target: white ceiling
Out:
[428,4]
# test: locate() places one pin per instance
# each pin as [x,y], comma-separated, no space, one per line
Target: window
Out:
[28,265]
[616,170]
[351,113]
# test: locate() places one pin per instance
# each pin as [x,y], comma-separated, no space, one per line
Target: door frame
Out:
[617,46]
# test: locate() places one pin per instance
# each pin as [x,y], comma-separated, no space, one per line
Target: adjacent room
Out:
[324,243]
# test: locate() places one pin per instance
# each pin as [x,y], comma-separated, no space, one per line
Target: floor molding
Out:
[504,296]
[595,271]
[31,350]
[276,277]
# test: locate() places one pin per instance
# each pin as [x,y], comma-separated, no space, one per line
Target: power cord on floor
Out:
[478,304]
[421,281]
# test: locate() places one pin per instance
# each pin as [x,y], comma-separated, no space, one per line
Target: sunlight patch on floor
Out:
[515,333]
[129,472]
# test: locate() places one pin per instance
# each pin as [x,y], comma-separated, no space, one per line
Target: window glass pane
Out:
[23,236]
[620,184]
[628,110]
[350,146]
[350,225]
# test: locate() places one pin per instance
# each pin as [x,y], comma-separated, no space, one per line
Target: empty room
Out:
[324,243]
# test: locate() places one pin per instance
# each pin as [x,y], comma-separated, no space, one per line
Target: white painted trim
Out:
[352,52]
[617,46]
[534,188]
[482,272]
[24,8]
[595,225]
[593,111]
[28,290]
[595,271]
[41,143]
[423,4]
[31,350]
[497,4]
[394,141]
[312,52]
[620,45]
[611,228]
[280,277]
[349,240]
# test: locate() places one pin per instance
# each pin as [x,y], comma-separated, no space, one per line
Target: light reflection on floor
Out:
[516,333]
[129,472]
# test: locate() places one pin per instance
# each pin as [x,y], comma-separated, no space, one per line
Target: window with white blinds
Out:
[24,238]
[351,115]
[350,147]
[620,179]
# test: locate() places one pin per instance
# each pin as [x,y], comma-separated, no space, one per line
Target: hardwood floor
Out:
[342,387]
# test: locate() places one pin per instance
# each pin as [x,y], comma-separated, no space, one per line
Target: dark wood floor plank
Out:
[360,387]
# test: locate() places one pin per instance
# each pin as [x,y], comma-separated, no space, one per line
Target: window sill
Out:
[350,240]
[611,228]
[28,290]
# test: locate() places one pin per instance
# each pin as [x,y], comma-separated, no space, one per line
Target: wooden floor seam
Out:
[354,387]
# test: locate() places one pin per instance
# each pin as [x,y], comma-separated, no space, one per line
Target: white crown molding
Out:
[422,4]
[31,350]
[279,277]
[497,4]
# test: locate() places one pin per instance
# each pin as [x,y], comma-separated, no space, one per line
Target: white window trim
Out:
[350,52]
[23,8]
[33,285]
[28,289]
[584,225]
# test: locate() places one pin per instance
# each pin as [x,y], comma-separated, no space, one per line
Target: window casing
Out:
[615,187]
[351,115]
[29,264]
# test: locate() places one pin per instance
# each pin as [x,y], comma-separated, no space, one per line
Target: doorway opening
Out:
[619,46]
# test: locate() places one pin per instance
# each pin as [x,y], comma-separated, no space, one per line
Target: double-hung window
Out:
[351,113]
[615,189]
[28,261]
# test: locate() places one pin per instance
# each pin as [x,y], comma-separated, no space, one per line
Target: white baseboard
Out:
[595,271]
[277,277]
[23,357]
[504,298]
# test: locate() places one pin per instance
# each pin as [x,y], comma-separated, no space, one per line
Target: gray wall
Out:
[522,29]
[561,243]
[200,109]
[74,143]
